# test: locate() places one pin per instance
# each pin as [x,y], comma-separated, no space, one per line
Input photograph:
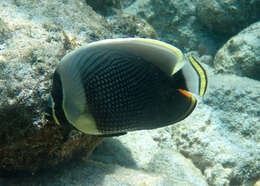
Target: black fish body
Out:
[111,87]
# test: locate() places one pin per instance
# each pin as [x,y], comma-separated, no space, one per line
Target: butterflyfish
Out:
[114,86]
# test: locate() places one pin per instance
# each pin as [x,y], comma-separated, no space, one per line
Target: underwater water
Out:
[217,144]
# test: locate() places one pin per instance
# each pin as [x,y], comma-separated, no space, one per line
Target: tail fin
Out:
[195,77]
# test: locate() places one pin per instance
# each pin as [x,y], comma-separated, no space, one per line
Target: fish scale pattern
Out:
[119,90]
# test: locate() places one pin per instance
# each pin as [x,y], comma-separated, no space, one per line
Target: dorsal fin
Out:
[167,57]
[195,77]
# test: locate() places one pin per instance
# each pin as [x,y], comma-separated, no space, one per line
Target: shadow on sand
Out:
[102,162]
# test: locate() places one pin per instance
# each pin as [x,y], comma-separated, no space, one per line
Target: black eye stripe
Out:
[57,89]
[57,95]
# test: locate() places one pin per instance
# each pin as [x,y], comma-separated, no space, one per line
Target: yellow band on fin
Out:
[53,112]
[169,46]
[202,74]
